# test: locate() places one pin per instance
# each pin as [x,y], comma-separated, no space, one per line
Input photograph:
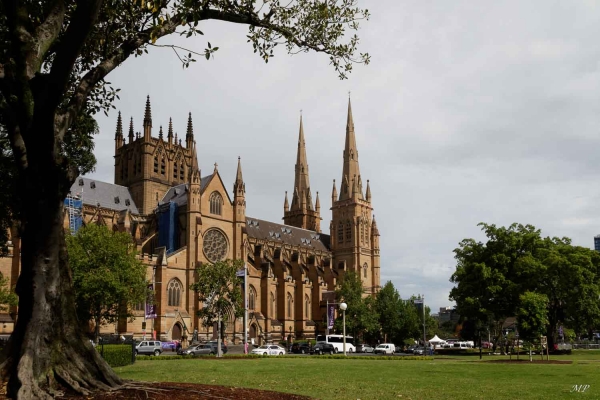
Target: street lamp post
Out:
[343,307]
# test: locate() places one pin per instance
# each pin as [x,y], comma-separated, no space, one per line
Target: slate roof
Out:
[106,195]
[260,229]
[178,194]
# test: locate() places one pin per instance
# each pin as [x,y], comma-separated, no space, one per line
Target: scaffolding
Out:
[74,205]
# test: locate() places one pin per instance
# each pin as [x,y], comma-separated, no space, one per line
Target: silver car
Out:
[148,347]
[200,349]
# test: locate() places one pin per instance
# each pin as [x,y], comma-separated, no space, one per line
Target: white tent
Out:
[436,340]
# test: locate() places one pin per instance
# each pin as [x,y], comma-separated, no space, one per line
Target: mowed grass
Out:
[443,378]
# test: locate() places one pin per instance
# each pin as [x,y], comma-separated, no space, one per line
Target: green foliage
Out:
[361,315]
[532,315]
[8,203]
[107,277]
[117,355]
[8,297]
[491,277]
[219,290]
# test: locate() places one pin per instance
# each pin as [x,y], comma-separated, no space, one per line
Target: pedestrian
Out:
[245,347]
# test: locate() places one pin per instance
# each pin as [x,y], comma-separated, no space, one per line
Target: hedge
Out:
[116,355]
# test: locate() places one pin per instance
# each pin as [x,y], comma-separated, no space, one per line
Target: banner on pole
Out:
[241,272]
[150,306]
[330,316]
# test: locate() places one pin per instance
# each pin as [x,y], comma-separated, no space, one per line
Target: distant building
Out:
[448,314]
[597,242]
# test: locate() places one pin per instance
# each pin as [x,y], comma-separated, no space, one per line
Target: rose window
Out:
[215,245]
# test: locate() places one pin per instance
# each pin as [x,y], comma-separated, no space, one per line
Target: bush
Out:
[116,355]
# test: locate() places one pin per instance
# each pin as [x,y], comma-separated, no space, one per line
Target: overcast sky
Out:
[471,111]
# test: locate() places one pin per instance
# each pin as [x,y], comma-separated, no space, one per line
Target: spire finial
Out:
[216,167]
[189,137]
[148,113]
[160,133]
[131,130]
[170,132]
[119,132]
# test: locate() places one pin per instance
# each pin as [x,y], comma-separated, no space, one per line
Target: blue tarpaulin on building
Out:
[168,232]
[74,208]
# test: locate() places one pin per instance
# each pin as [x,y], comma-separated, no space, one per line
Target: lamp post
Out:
[343,307]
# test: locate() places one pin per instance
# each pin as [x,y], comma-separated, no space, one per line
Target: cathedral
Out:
[180,219]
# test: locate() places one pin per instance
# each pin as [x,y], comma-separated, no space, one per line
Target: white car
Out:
[269,349]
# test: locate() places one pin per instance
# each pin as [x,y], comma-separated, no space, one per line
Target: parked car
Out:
[385,348]
[269,349]
[364,348]
[323,347]
[420,351]
[199,349]
[149,347]
[300,348]
[399,349]
[213,343]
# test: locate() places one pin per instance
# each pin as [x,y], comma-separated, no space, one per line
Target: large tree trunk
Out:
[48,351]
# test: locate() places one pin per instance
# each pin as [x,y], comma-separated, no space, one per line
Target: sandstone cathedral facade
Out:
[179,218]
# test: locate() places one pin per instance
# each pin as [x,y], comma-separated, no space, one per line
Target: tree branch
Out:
[48,31]
[81,24]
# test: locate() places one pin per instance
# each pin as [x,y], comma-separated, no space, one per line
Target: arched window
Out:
[348,232]
[289,305]
[251,298]
[175,170]
[307,306]
[156,165]
[162,166]
[340,233]
[181,172]
[273,305]
[365,269]
[174,292]
[216,203]
[362,233]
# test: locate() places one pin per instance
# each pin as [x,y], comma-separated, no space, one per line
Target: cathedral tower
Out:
[149,166]
[354,234]
[302,214]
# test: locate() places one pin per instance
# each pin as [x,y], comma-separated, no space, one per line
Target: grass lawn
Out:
[463,377]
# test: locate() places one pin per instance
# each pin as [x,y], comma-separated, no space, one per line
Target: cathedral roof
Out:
[178,194]
[105,195]
[303,238]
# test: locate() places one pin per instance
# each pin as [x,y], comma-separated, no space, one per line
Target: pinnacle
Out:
[119,132]
[170,133]
[148,113]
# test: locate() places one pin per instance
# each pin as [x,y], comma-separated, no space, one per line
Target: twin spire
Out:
[302,198]
[351,179]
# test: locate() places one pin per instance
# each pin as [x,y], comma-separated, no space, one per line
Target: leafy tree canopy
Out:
[361,315]
[108,278]
[8,298]
[219,290]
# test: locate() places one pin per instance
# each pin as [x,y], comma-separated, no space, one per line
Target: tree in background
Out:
[532,315]
[108,278]
[490,277]
[55,56]
[361,315]
[389,308]
[219,290]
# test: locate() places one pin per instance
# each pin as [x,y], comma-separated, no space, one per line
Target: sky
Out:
[469,112]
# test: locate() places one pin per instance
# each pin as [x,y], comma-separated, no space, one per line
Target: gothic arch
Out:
[307,306]
[290,306]
[252,298]
[174,292]
[365,270]
[216,203]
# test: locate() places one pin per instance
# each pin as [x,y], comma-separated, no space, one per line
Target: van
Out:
[385,348]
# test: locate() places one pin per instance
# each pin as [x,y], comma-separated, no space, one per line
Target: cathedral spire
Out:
[189,137]
[334,194]
[286,205]
[131,130]
[147,120]
[170,133]
[119,132]
[351,169]
[238,176]
[301,180]
[317,204]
